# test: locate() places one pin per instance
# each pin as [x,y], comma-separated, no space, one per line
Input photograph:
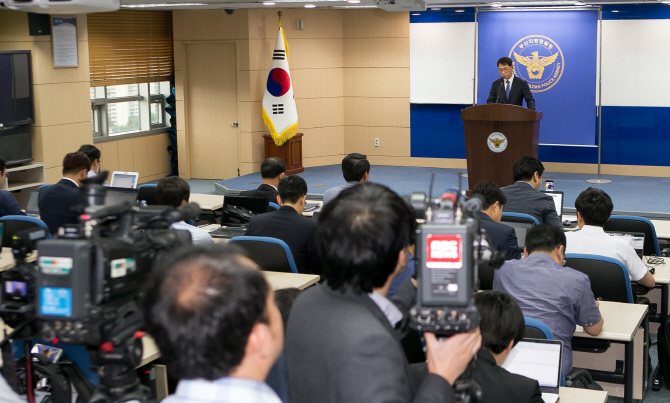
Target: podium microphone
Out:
[500,89]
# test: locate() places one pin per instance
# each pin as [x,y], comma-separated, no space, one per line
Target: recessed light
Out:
[268,3]
[310,6]
[496,5]
[436,9]
[615,11]
[353,1]
[459,11]
[416,13]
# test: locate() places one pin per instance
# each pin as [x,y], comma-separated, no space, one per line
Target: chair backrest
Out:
[537,330]
[519,217]
[485,273]
[609,277]
[270,254]
[629,223]
[147,192]
[15,223]
[273,206]
[521,223]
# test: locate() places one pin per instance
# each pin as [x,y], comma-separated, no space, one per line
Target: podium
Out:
[496,135]
[290,152]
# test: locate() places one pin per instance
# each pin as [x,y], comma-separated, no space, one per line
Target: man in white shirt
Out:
[214,319]
[174,191]
[593,211]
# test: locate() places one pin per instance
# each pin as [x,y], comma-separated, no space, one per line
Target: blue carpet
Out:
[629,193]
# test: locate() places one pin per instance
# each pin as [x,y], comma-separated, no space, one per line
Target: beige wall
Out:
[63,108]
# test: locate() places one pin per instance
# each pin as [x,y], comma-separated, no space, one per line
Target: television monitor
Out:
[16,88]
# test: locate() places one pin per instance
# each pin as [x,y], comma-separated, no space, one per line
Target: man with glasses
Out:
[510,89]
[557,296]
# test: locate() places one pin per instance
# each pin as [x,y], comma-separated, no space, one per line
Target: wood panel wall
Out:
[146,155]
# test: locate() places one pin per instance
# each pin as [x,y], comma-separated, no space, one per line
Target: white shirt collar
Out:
[389,309]
[71,180]
[593,229]
[511,80]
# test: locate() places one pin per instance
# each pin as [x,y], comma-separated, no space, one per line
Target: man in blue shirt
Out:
[215,321]
[8,204]
[557,296]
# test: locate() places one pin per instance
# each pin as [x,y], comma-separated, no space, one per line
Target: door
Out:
[211,99]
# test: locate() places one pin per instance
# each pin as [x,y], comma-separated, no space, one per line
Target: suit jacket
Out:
[294,229]
[55,203]
[519,91]
[500,386]
[9,205]
[262,191]
[522,197]
[341,348]
[503,237]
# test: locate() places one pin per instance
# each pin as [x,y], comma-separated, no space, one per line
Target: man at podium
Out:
[510,89]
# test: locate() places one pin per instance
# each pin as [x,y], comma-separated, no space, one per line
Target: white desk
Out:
[7,259]
[207,202]
[662,227]
[622,322]
[574,395]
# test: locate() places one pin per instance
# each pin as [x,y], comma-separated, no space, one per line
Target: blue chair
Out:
[519,217]
[273,205]
[147,192]
[629,223]
[15,223]
[609,277]
[535,329]
[270,254]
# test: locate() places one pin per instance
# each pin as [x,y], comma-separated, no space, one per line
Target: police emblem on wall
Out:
[497,142]
[539,60]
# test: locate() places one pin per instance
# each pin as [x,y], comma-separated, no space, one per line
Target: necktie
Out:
[507,91]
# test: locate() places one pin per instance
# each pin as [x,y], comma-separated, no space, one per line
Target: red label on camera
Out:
[443,251]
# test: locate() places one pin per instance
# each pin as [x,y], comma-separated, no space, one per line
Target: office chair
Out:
[629,223]
[519,217]
[270,254]
[15,223]
[273,206]
[609,277]
[147,192]
[485,273]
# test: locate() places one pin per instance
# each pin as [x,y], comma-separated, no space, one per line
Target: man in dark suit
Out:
[510,89]
[525,197]
[273,170]
[8,204]
[57,203]
[289,225]
[343,337]
[503,237]
[502,327]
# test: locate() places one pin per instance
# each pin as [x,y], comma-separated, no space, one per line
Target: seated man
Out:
[355,169]
[342,341]
[525,197]
[8,204]
[502,327]
[289,225]
[594,208]
[57,203]
[214,319]
[173,191]
[557,296]
[93,154]
[503,237]
[273,170]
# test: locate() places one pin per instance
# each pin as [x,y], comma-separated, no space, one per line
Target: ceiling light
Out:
[268,3]
[615,11]
[459,11]
[310,6]
[163,5]
[416,13]
[496,5]
[436,9]
[353,1]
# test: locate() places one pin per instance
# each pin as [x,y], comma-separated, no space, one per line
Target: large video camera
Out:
[450,246]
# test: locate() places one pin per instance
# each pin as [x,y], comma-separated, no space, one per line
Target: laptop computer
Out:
[521,228]
[124,179]
[540,360]
[636,240]
[32,207]
[236,213]
[117,195]
[558,201]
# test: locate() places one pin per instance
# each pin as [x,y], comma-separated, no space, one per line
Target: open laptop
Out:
[521,228]
[32,207]
[558,201]
[119,195]
[636,240]
[235,214]
[124,179]
[540,360]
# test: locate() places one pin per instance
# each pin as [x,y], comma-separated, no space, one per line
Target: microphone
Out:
[474,205]
[183,213]
[500,89]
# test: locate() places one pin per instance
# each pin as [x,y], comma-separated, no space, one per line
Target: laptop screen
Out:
[636,239]
[537,359]
[238,210]
[558,202]
[521,228]
[116,196]
[32,206]
[124,179]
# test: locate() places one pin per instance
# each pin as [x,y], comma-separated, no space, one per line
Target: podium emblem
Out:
[538,60]
[497,142]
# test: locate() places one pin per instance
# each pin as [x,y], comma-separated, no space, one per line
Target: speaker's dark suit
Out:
[263,191]
[503,237]
[519,91]
[294,229]
[522,197]
[500,386]
[55,203]
[341,348]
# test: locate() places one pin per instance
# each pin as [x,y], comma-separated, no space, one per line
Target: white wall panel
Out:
[442,62]
[636,56]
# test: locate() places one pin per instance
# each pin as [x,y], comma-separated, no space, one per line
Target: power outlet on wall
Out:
[376,142]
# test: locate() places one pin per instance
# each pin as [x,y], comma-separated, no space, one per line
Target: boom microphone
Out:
[183,213]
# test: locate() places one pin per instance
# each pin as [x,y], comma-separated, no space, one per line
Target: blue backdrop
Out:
[562,45]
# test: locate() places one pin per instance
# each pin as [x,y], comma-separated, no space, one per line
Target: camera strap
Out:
[8,368]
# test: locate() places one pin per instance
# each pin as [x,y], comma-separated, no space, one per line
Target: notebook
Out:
[540,360]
